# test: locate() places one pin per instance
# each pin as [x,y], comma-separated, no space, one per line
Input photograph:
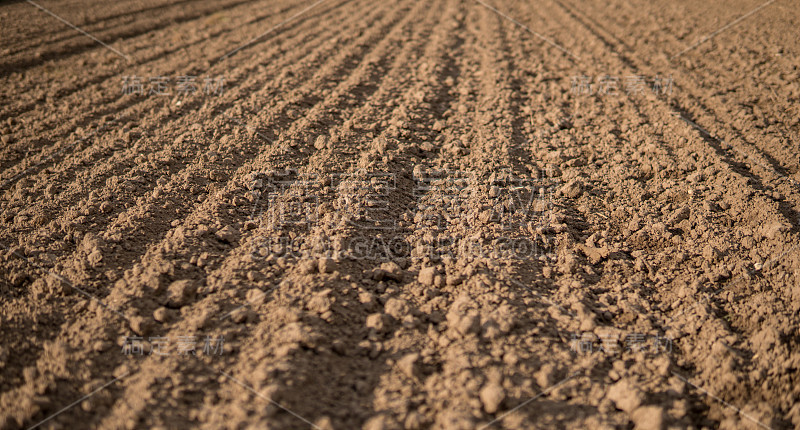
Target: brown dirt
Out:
[400,214]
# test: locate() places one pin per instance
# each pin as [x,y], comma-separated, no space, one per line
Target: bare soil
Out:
[400,214]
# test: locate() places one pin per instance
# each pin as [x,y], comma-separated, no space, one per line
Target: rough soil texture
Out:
[399,215]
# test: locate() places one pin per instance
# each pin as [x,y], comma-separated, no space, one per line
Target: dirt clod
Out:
[649,418]
[180,293]
[427,276]
[492,395]
[227,234]
[625,395]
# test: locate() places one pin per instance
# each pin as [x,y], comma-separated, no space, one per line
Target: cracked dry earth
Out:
[399,215]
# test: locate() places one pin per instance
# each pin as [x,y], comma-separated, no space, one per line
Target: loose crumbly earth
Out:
[345,215]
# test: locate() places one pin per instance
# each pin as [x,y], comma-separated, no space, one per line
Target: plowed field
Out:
[449,214]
